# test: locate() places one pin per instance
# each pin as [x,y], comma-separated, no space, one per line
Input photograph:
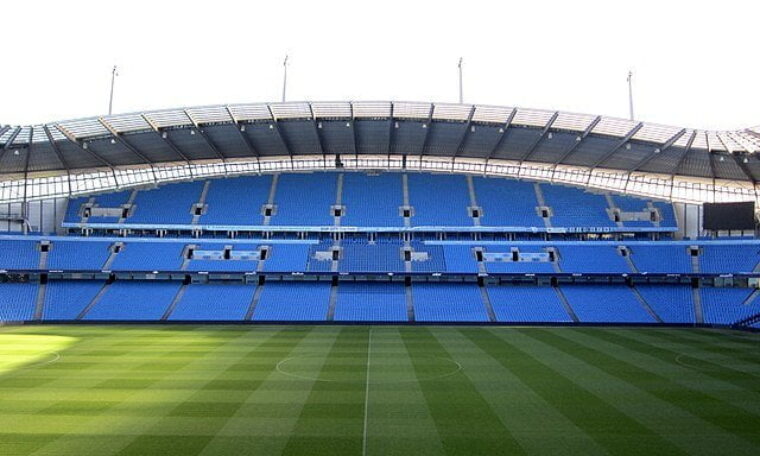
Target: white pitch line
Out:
[366,393]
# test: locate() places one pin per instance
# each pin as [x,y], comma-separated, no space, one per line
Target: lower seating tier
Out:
[374,301]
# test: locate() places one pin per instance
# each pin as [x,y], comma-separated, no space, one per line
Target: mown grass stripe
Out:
[692,356]
[348,353]
[260,364]
[465,420]
[182,409]
[598,419]
[714,343]
[521,410]
[719,413]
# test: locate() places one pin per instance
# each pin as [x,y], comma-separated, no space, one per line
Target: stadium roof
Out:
[454,132]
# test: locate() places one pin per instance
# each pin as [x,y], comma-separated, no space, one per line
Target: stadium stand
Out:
[369,201]
[17,301]
[370,301]
[661,258]
[574,207]
[725,306]
[729,258]
[293,301]
[287,258]
[294,214]
[372,201]
[235,262]
[442,302]
[500,260]
[460,258]
[134,300]
[225,206]
[320,256]
[169,204]
[427,258]
[66,299]
[305,200]
[381,256]
[527,304]
[592,259]
[604,304]
[672,303]
[149,256]
[507,202]
[203,303]
[439,200]
[75,255]
[19,255]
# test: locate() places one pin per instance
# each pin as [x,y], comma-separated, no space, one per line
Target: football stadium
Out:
[366,278]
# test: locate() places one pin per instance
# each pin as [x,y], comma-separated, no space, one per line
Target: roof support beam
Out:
[317,128]
[244,137]
[739,158]
[583,136]
[620,144]
[9,143]
[680,162]
[391,135]
[533,146]
[504,129]
[276,127]
[682,158]
[4,129]
[353,130]
[60,156]
[733,156]
[120,139]
[84,148]
[56,149]
[205,137]
[165,138]
[428,125]
[463,139]
[26,168]
[665,146]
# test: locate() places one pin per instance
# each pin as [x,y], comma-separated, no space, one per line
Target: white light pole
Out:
[461,97]
[630,94]
[114,73]
[284,76]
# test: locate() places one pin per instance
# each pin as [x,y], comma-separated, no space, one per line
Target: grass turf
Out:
[208,390]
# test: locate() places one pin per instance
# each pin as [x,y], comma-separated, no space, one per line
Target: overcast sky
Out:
[695,63]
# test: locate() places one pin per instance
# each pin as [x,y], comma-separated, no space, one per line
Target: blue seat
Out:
[370,301]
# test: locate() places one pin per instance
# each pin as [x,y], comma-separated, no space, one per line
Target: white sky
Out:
[695,62]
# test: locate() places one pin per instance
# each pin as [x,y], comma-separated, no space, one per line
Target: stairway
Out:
[697,298]
[173,304]
[93,302]
[566,305]
[646,305]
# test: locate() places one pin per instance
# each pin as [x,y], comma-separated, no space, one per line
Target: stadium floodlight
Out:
[630,94]
[114,73]
[461,96]
[284,76]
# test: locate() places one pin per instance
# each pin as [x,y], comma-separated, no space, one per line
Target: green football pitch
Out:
[356,390]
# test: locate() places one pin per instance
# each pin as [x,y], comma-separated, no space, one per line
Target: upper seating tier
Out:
[362,201]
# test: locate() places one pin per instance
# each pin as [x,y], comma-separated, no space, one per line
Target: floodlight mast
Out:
[284,76]
[114,73]
[461,97]
[630,94]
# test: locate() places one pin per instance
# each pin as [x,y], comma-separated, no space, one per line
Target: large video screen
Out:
[729,216]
